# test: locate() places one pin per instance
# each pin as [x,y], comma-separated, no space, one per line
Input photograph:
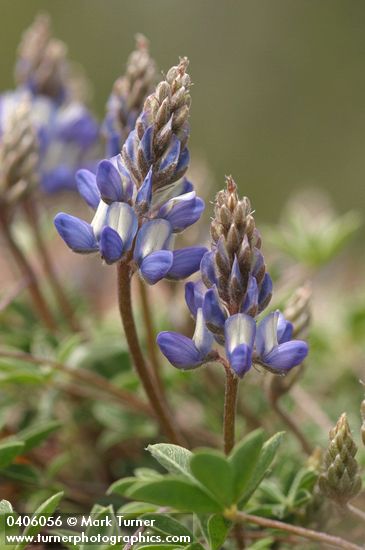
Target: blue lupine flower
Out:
[67,136]
[187,353]
[139,204]
[275,349]
[233,290]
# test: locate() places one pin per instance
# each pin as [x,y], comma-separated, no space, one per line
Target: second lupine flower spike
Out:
[234,289]
[139,204]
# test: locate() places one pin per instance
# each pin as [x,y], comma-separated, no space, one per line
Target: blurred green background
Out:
[279,85]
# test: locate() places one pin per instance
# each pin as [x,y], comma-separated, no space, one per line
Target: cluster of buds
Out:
[340,480]
[67,133]
[128,96]
[139,203]
[161,134]
[42,63]
[234,288]
[19,155]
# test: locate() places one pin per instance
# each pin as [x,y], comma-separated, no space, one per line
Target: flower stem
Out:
[151,336]
[82,375]
[145,375]
[26,269]
[318,536]
[63,302]
[230,404]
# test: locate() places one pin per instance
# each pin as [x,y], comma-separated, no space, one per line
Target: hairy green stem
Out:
[164,416]
[27,271]
[63,302]
[310,534]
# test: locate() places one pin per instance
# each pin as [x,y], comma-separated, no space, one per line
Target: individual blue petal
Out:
[207,269]
[212,310]
[182,211]
[236,272]
[111,245]
[258,262]
[144,194]
[176,189]
[130,146]
[266,334]
[179,350]
[171,156]
[109,182]
[127,182]
[240,332]
[156,266]
[251,299]
[194,295]
[202,338]
[265,292]
[146,144]
[240,359]
[186,261]
[284,329]
[121,218]
[154,235]
[87,187]
[77,234]
[75,124]
[286,356]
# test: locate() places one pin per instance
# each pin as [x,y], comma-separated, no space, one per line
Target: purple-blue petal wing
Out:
[156,266]
[109,182]
[87,187]
[111,245]
[186,261]
[77,234]
[286,356]
[179,350]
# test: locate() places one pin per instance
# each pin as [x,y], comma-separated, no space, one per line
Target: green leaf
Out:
[178,493]
[147,473]
[99,513]
[160,547]
[21,472]
[195,546]
[5,507]
[263,463]
[243,459]
[263,544]
[8,451]
[35,435]
[136,509]
[47,507]
[213,471]
[173,458]
[218,528]
[168,525]
[120,487]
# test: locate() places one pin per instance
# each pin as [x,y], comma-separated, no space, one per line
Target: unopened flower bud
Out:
[340,480]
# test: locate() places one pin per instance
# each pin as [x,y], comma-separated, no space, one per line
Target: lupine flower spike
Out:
[140,200]
[234,289]
[67,133]
[128,96]
[340,479]
[19,156]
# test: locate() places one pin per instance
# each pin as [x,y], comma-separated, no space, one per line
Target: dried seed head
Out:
[340,480]
[298,311]
[42,64]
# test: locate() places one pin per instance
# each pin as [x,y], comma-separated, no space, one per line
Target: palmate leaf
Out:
[176,492]
[263,463]
[168,525]
[243,460]
[215,473]
[175,459]
[47,507]
[218,529]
